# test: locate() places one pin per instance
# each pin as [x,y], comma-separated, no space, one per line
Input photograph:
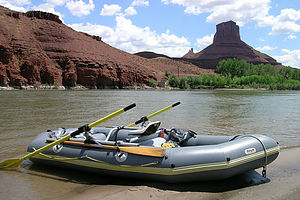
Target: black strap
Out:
[117,131]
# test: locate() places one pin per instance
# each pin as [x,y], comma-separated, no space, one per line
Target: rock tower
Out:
[227,44]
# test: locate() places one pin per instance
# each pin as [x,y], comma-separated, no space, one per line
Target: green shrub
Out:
[173,81]
[152,83]
[56,85]
[36,86]
[167,73]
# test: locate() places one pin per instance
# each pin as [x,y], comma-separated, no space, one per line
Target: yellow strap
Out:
[169,145]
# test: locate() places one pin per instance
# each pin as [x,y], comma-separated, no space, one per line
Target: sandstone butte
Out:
[227,44]
[37,48]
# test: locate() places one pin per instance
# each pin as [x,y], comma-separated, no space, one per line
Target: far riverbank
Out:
[132,88]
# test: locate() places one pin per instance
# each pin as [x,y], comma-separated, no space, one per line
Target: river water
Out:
[24,114]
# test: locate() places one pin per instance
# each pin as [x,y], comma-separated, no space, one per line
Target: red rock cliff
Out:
[36,48]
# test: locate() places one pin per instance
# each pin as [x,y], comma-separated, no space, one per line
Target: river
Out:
[24,114]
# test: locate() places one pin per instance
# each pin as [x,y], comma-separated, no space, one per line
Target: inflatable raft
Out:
[150,152]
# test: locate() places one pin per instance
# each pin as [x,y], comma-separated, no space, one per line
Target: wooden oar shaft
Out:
[144,151]
[153,114]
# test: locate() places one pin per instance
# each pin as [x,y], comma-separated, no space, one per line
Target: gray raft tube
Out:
[200,158]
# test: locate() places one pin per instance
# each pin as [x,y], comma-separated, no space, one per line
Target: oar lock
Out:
[83,129]
[142,120]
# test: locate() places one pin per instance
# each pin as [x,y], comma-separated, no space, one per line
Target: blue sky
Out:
[172,27]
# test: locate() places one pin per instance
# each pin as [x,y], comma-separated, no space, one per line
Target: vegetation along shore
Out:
[234,73]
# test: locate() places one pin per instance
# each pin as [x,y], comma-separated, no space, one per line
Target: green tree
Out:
[183,83]
[296,74]
[286,72]
[173,81]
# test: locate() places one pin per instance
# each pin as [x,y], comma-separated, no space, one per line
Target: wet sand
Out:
[282,183]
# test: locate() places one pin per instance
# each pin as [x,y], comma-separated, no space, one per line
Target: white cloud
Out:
[261,39]
[289,58]
[131,38]
[94,29]
[265,48]
[80,8]
[20,2]
[241,12]
[130,11]
[17,5]
[286,27]
[165,1]
[289,14]
[140,3]
[56,2]
[205,41]
[284,23]
[115,9]
[291,37]
[110,10]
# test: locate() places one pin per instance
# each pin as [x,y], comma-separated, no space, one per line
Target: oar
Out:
[15,162]
[153,114]
[144,151]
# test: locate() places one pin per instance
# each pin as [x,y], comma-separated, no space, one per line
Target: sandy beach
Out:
[282,182]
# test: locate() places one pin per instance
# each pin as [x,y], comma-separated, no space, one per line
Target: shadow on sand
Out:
[67,175]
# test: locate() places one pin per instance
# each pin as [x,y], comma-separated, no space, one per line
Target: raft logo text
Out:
[250,151]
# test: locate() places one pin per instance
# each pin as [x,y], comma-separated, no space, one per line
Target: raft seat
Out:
[151,128]
[145,133]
